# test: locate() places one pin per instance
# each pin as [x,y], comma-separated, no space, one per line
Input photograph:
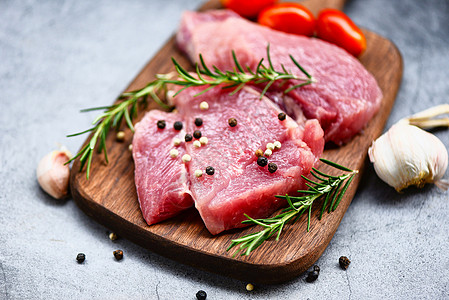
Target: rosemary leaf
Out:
[322,174]
[334,197]
[237,64]
[128,120]
[313,182]
[343,191]
[205,90]
[314,174]
[300,67]
[266,88]
[94,108]
[335,165]
[269,58]
[82,132]
[205,70]
[103,136]
[326,200]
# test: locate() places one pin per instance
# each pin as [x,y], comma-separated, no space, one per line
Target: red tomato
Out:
[288,17]
[247,8]
[337,28]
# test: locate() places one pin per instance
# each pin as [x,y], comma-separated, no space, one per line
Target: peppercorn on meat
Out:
[239,184]
[220,164]
[160,174]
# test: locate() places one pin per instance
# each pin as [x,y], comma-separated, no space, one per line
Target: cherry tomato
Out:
[288,17]
[247,8]
[337,28]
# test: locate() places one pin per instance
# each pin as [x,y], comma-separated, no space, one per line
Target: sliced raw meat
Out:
[161,180]
[239,185]
[345,96]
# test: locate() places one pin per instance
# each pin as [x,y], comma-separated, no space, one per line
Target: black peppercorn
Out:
[201,295]
[282,116]
[80,258]
[118,254]
[262,161]
[210,170]
[312,276]
[177,125]
[198,121]
[232,122]
[188,137]
[344,262]
[161,124]
[316,268]
[197,134]
[272,167]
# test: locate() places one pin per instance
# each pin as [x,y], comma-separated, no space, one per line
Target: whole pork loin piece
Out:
[344,98]
[161,180]
[239,185]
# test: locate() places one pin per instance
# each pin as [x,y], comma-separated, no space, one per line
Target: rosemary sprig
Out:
[332,188]
[239,77]
[113,115]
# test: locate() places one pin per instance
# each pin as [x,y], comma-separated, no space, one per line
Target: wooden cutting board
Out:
[110,196]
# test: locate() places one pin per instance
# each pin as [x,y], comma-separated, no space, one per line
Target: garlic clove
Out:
[426,118]
[53,175]
[407,155]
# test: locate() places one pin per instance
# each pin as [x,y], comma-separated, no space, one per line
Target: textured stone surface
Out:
[60,56]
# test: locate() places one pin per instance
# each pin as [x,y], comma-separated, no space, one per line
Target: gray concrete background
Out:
[57,57]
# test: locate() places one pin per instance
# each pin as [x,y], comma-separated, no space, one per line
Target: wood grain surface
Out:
[110,196]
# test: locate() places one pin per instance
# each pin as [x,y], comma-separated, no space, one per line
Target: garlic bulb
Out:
[53,175]
[406,155]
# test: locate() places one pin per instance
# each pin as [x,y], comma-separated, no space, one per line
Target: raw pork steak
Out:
[239,185]
[161,181]
[345,96]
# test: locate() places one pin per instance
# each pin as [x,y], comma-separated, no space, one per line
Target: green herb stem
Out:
[326,186]
[113,115]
